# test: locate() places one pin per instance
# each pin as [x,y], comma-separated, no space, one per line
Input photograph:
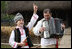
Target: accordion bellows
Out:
[59,32]
[57,26]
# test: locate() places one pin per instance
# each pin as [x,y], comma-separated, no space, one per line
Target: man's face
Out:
[47,15]
[20,22]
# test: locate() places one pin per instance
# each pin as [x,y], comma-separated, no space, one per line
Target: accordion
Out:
[58,32]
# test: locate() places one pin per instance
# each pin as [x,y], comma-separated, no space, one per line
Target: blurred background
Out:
[60,9]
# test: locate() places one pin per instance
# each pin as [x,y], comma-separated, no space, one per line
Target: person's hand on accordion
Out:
[63,26]
[42,29]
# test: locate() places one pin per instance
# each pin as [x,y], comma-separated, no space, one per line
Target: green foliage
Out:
[3,6]
[7,17]
[7,20]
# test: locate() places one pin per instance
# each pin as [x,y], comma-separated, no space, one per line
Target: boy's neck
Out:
[19,26]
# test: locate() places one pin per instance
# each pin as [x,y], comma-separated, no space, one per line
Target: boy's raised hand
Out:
[35,7]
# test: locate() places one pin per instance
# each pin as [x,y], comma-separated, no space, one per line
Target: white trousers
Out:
[49,46]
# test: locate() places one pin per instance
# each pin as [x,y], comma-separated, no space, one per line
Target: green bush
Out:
[7,17]
[7,20]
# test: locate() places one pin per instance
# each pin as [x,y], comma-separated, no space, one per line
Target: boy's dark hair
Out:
[47,10]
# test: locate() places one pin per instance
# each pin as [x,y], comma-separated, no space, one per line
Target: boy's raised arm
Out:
[33,18]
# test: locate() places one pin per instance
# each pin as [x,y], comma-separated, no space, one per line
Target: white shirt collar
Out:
[19,27]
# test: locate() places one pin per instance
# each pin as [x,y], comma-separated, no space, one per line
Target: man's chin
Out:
[46,19]
[21,25]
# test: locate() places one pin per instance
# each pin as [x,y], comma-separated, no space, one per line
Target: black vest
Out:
[18,37]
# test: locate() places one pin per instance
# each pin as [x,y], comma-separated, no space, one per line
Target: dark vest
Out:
[18,37]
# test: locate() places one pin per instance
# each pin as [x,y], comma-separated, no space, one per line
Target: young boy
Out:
[19,37]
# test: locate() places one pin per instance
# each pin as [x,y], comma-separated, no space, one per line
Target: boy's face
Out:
[20,23]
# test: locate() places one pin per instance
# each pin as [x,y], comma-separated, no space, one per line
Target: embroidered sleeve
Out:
[36,29]
[11,40]
[32,21]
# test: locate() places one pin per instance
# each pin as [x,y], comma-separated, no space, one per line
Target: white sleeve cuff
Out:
[15,45]
[35,16]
